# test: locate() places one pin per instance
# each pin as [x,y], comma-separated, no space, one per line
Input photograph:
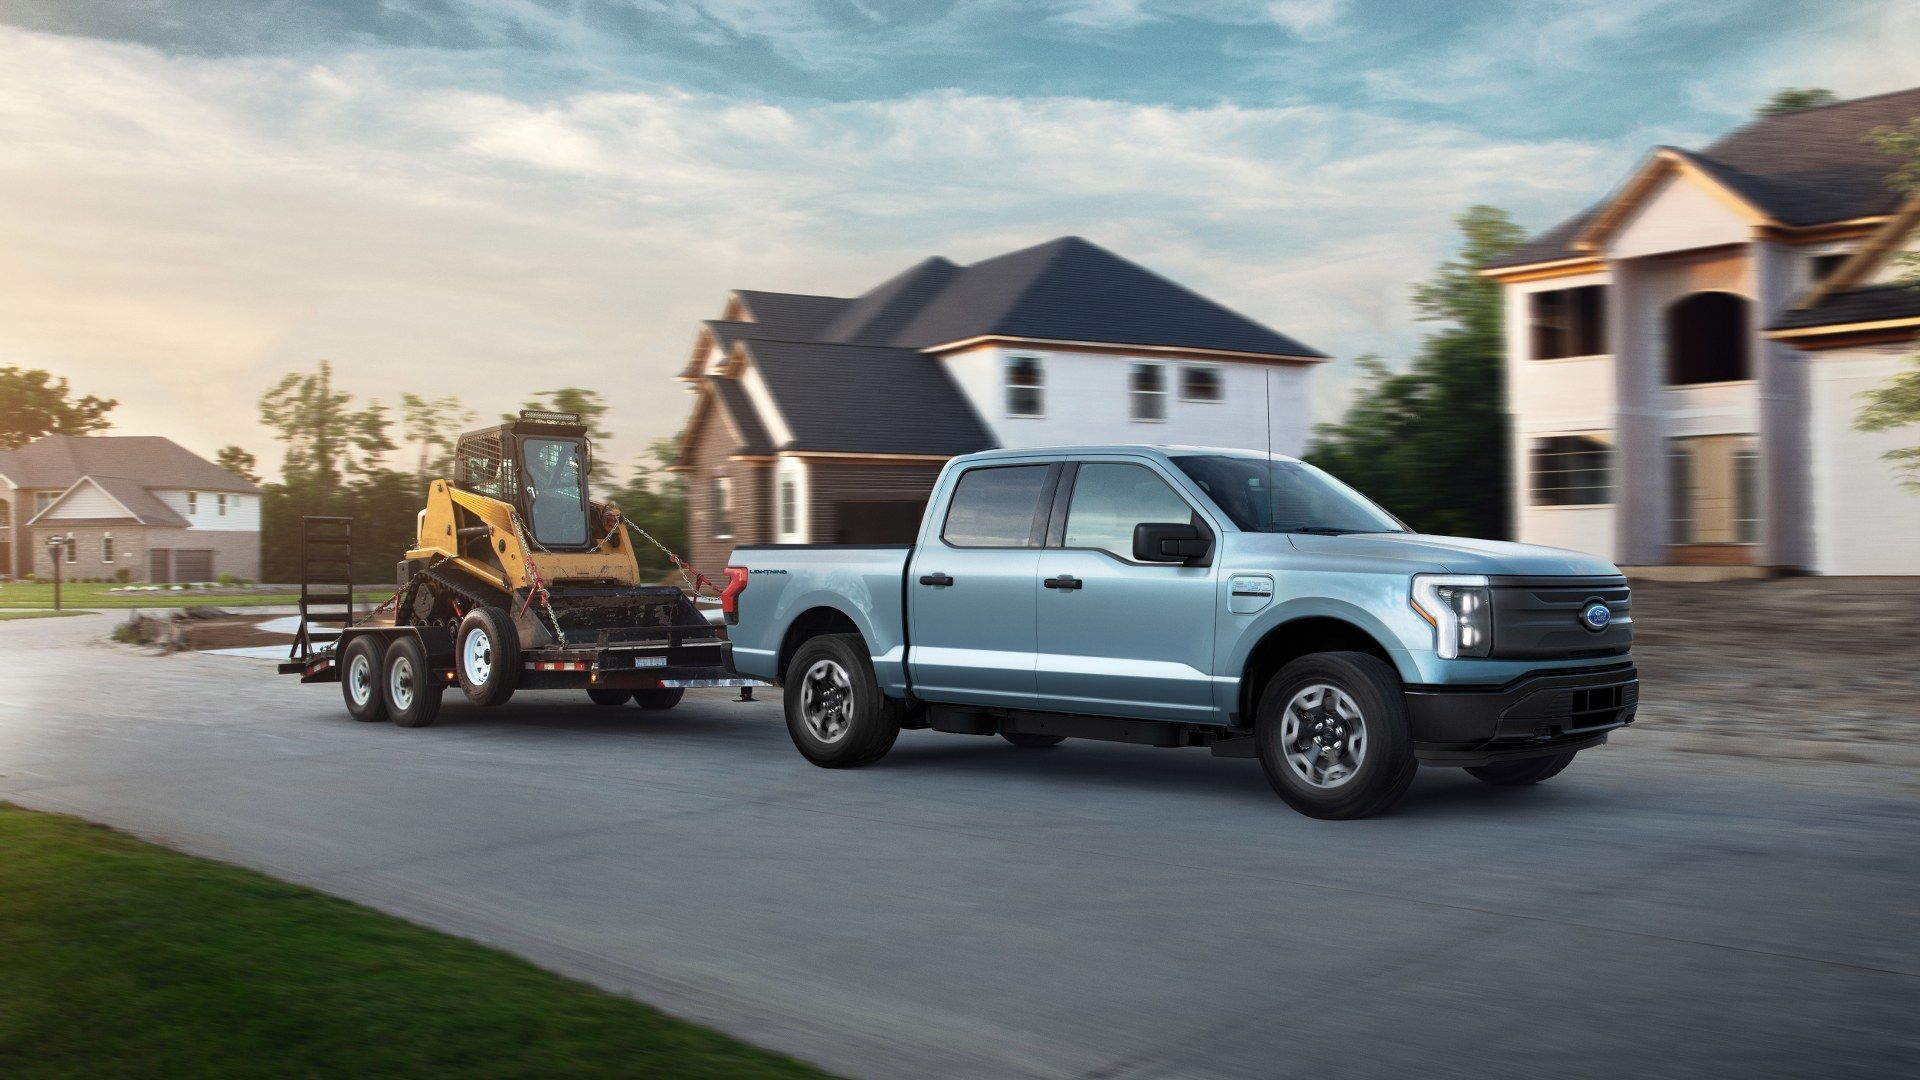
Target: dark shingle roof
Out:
[1801,168]
[140,503]
[148,460]
[835,399]
[733,398]
[877,316]
[795,316]
[1869,304]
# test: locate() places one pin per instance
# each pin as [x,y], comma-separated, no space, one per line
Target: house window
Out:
[1707,339]
[722,508]
[1147,392]
[1026,386]
[1822,266]
[1569,322]
[789,507]
[106,547]
[73,550]
[1200,382]
[1746,494]
[1570,470]
[220,505]
[193,502]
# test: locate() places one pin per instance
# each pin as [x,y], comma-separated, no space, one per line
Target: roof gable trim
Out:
[1664,162]
[1120,347]
[71,488]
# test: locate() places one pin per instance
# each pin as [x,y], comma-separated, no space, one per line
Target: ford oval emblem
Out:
[1595,616]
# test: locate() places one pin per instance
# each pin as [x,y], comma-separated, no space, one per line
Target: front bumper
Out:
[1548,713]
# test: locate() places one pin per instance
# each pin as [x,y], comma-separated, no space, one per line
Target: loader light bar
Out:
[730,596]
[548,416]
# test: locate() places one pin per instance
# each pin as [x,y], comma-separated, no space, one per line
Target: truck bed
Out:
[785,581]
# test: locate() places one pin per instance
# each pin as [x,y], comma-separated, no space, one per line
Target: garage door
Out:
[190,564]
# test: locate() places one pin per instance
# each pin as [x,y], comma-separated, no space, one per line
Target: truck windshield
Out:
[556,489]
[1263,495]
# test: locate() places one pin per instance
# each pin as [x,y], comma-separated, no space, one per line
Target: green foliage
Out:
[656,500]
[34,403]
[1793,99]
[1430,443]
[238,462]
[433,426]
[124,959]
[1897,404]
[591,410]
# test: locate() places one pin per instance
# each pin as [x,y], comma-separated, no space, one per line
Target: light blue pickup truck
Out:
[1177,596]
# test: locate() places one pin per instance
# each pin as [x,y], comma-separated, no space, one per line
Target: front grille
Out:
[1539,618]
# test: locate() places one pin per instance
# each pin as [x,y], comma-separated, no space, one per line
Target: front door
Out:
[1127,639]
[971,589]
[159,565]
[1715,513]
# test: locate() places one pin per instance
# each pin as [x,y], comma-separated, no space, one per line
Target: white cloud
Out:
[177,232]
[1310,20]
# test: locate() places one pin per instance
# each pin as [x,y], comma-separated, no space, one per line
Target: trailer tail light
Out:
[730,596]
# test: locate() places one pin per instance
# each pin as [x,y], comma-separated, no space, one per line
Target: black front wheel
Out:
[1523,772]
[836,714]
[1333,736]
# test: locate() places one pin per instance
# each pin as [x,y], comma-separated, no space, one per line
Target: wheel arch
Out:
[811,623]
[1300,636]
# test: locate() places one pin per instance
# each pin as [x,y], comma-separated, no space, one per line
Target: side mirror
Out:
[1170,542]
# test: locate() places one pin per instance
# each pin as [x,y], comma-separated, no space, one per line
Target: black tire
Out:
[1032,742]
[858,723]
[361,666]
[490,678]
[411,691]
[1523,772]
[1385,767]
[610,697]
[660,697]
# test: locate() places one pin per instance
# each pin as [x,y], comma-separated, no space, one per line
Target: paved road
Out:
[966,908]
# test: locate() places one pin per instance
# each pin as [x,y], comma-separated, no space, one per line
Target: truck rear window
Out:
[997,507]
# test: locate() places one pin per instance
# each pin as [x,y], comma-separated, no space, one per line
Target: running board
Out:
[967,720]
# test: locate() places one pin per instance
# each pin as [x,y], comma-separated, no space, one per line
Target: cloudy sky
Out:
[494,196]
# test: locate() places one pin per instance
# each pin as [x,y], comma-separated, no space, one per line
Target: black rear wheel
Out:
[610,697]
[361,665]
[1523,772]
[836,714]
[486,656]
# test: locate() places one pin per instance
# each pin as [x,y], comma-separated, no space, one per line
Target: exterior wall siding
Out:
[1568,396]
[750,513]
[1865,522]
[233,552]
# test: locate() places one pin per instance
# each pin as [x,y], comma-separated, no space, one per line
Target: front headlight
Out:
[1460,607]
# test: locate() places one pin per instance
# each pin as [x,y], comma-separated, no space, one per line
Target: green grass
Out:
[12,616]
[39,594]
[122,959]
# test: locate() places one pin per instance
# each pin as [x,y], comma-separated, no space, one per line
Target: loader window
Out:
[555,478]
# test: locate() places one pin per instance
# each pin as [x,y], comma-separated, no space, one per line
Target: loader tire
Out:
[836,714]
[486,656]
[362,663]
[411,690]
[660,697]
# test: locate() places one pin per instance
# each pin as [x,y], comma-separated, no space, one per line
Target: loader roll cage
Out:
[539,465]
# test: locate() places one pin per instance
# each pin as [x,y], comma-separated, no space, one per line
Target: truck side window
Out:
[1110,498]
[996,507]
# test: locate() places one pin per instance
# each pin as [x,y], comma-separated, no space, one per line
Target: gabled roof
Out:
[1869,305]
[141,507]
[741,414]
[795,316]
[56,461]
[829,396]
[1809,167]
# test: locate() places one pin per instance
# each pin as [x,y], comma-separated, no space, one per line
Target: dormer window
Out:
[193,503]
[1026,386]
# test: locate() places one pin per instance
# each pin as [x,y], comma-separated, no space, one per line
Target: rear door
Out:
[1123,638]
[971,588]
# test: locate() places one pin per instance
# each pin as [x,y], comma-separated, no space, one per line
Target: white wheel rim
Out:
[400,683]
[360,678]
[477,657]
[1323,735]
[826,701]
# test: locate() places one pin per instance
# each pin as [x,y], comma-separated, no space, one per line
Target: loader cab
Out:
[537,463]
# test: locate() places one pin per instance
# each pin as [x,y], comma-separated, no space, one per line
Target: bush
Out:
[122,576]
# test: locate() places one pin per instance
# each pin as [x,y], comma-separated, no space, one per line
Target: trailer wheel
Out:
[836,714]
[362,664]
[486,656]
[660,697]
[609,697]
[1028,741]
[411,691]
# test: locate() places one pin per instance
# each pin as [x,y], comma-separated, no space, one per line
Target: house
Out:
[825,419]
[1684,359]
[139,507]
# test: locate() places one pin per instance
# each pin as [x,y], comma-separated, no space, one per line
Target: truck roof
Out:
[1158,449]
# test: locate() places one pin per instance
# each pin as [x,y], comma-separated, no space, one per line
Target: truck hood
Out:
[1457,554]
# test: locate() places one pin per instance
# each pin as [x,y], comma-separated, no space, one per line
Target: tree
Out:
[1430,442]
[238,462]
[1897,404]
[1792,99]
[656,501]
[34,403]
[584,403]
[434,426]
[326,440]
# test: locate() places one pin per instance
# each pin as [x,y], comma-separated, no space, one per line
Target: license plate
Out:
[649,661]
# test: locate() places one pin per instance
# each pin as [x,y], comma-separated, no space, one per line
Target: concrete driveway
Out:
[966,908]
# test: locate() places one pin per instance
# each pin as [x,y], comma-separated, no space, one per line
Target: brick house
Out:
[141,507]
[1685,358]
[824,419]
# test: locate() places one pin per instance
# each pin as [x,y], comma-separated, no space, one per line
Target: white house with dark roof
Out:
[826,419]
[140,508]
[1684,359]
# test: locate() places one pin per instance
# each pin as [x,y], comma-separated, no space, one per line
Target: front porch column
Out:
[1640,459]
[1780,373]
